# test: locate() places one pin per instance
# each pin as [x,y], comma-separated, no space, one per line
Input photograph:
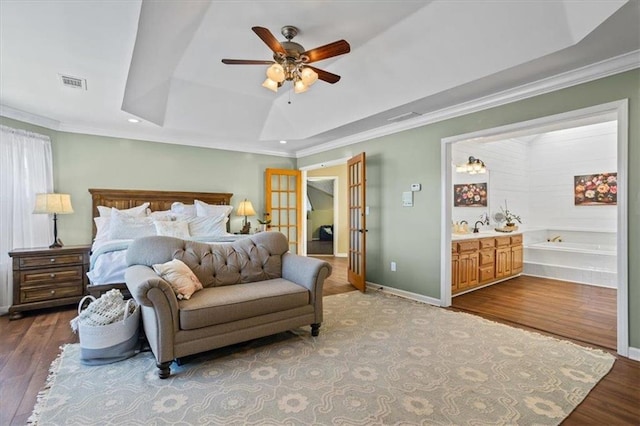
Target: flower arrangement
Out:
[509,216]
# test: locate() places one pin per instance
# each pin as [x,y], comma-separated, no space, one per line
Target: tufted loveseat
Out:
[252,288]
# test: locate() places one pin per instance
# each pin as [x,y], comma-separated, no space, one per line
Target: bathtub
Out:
[583,257]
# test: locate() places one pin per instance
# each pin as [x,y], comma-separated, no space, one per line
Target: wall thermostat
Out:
[416,187]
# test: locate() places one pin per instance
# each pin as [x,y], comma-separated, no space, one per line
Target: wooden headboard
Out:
[159,200]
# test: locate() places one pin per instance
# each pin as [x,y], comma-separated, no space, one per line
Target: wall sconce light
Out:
[473,166]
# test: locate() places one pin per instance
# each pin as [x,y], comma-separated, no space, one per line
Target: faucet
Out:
[475,226]
[557,238]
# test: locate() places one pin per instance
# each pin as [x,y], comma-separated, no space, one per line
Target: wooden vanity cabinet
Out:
[477,262]
[517,259]
[467,274]
[487,260]
[503,257]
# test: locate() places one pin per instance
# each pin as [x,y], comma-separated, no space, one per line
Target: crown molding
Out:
[48,123]
[581,75]
[27,117]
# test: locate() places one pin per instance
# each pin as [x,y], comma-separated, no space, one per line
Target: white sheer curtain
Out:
[25,169]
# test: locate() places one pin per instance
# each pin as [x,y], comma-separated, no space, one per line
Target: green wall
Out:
[408,236]
[83,161]
[411,236]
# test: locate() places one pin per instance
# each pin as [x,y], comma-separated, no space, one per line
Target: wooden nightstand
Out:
[44,277]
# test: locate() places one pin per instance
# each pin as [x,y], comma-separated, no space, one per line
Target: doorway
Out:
[321,206]
[612,111]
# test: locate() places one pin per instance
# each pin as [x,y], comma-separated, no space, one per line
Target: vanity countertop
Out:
[483,234]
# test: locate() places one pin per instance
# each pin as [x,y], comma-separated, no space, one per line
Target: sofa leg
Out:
[315,329]
[164,369]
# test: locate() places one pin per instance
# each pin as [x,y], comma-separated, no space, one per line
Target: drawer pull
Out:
[53,292]
[52,260]
[53,275]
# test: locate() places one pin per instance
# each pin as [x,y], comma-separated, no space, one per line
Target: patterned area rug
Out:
[379,359]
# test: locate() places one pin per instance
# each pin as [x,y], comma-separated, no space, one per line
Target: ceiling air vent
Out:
[402,117]
[73,82]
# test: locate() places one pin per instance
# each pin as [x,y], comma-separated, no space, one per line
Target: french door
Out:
[284,204]
[357,221]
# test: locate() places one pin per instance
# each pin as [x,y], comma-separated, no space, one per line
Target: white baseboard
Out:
[341,255]
[406,294]
[634,353]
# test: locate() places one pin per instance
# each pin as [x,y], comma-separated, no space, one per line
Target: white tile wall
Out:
[535,175]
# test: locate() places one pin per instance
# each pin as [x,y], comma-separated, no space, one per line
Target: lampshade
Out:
[270,84]
[300,87]
[53,203]
[276,73]
[308,76]
[246,209]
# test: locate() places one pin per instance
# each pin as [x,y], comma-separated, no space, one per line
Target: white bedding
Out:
[109,257]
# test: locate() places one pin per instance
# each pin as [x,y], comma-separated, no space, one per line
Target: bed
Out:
[108,251]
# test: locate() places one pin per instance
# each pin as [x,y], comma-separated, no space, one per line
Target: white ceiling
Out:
[160,61]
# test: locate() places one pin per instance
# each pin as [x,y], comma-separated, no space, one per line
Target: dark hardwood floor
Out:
[577,311]
[30,344]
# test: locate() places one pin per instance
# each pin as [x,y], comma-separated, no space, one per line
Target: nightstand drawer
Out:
[51,275]
[48,292]
[54,259]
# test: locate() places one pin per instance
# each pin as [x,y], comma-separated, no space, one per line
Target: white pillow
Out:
[204,209]
[178,229]
[139,211]
[162,215]
[103,226]
[182,279]
[128,227]
[207,226]
[185,209]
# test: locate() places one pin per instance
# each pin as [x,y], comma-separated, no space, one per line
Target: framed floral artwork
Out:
[470,195]
[596,189]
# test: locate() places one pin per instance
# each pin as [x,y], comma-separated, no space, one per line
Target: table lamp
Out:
[53,204]
[246,209]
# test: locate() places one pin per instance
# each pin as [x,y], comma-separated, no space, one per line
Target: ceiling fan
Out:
[290,60]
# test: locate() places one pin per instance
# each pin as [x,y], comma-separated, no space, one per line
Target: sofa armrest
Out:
[307,272]
[159,309]
[141,279]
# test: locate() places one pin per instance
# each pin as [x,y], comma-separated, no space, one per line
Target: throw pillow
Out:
[204,209]
[183,209]
[177,229]
[208,226]
[125,227]
[181,279]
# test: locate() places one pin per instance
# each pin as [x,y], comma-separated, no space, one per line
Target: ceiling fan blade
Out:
[326,75]
[269,39]
[246,62]
[330,50]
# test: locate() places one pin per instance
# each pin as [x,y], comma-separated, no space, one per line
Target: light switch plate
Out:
[407,199]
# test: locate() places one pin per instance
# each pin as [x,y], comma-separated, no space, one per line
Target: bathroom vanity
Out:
[486,258]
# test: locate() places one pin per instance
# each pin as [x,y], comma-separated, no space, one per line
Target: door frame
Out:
[336,204]
[618,108]
[337,162]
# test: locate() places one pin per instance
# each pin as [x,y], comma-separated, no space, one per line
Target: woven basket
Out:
[104,344]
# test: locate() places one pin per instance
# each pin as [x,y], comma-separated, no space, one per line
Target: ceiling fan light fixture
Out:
[308,76]
[270,84]
[300,87]
[276,73]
